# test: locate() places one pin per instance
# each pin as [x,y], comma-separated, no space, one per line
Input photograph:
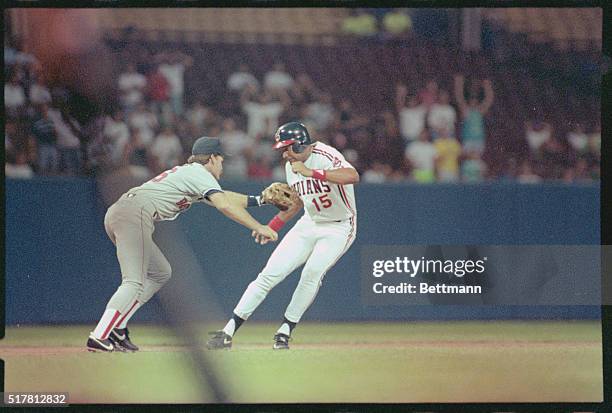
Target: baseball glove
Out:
[280,195]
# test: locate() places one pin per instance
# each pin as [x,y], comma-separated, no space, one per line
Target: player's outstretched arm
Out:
[242,200]
[237,213]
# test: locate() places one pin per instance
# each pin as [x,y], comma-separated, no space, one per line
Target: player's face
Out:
[216,165]
[291,156]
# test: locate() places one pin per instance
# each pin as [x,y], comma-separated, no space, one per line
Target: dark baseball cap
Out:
[206,146]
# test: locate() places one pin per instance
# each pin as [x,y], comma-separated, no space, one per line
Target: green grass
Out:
[336,362]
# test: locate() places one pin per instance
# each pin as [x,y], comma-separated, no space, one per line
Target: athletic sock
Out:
[233,325]
[286,327]
[106,324]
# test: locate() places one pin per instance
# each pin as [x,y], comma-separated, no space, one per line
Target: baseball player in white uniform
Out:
[130,221]
[324,181]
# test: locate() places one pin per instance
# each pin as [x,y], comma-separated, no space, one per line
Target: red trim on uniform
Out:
[322,153]
[110,325]
[345,199]
[128,311]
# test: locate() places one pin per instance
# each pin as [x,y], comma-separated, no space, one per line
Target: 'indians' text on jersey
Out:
[323,201]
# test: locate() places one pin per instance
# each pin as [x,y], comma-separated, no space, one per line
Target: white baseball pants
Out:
[319,245]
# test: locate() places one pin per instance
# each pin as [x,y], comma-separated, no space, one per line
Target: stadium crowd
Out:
[431,134]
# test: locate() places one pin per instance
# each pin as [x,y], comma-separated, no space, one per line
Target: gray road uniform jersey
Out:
[129,223]
[174,190]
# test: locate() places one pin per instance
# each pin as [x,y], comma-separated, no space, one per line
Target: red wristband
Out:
[319,174]
[276,223]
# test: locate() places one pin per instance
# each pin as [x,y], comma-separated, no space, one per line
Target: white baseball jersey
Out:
[324,201]
[173,191]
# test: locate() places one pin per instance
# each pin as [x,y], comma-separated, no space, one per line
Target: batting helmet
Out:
[294,134]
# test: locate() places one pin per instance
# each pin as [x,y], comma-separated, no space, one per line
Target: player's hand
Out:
[298,167]
[264,234]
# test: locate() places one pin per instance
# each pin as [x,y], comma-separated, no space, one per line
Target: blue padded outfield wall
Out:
[61,267]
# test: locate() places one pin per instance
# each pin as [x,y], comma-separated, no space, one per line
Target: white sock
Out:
[123,322]
[106,324]
[284,329]
[230,327]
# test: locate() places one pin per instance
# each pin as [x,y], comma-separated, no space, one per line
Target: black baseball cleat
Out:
[281,341]
[97,345]
[121,339]
[219,340]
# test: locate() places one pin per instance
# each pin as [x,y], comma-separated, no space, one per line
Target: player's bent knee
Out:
[313,274]
[266,281]
[134,286]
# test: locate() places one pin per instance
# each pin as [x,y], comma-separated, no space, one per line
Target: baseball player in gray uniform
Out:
[130,221]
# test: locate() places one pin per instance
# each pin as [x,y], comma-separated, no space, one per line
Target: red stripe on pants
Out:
[110,325]
[127,312]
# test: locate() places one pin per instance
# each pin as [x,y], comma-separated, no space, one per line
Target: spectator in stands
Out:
[593,156]
[346,115]
[509,170]
[166,149]
[14,97]
[473,134]
[278,172]
[262,113]
[421,157]
[118,133]
[197,115]
[235,142]
[412,116]
[39,93]
[397,23]
[595,141]
[145,121]
[536,134]
[10,54]
[377,173]
[43,130]
[136,156]
[303,91]
[17,166]
[131,87]
[429,94]
[360,23]
[448,152]
[16,60]
[578,139]
[526,174]
[582,173]
[320,113]
[10,129]
[158,90]
[69,136]
[278,80]
[59,95]
[473,168]
[173,67]
[242,78]
[554,157]
[260,168]
[442,115]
